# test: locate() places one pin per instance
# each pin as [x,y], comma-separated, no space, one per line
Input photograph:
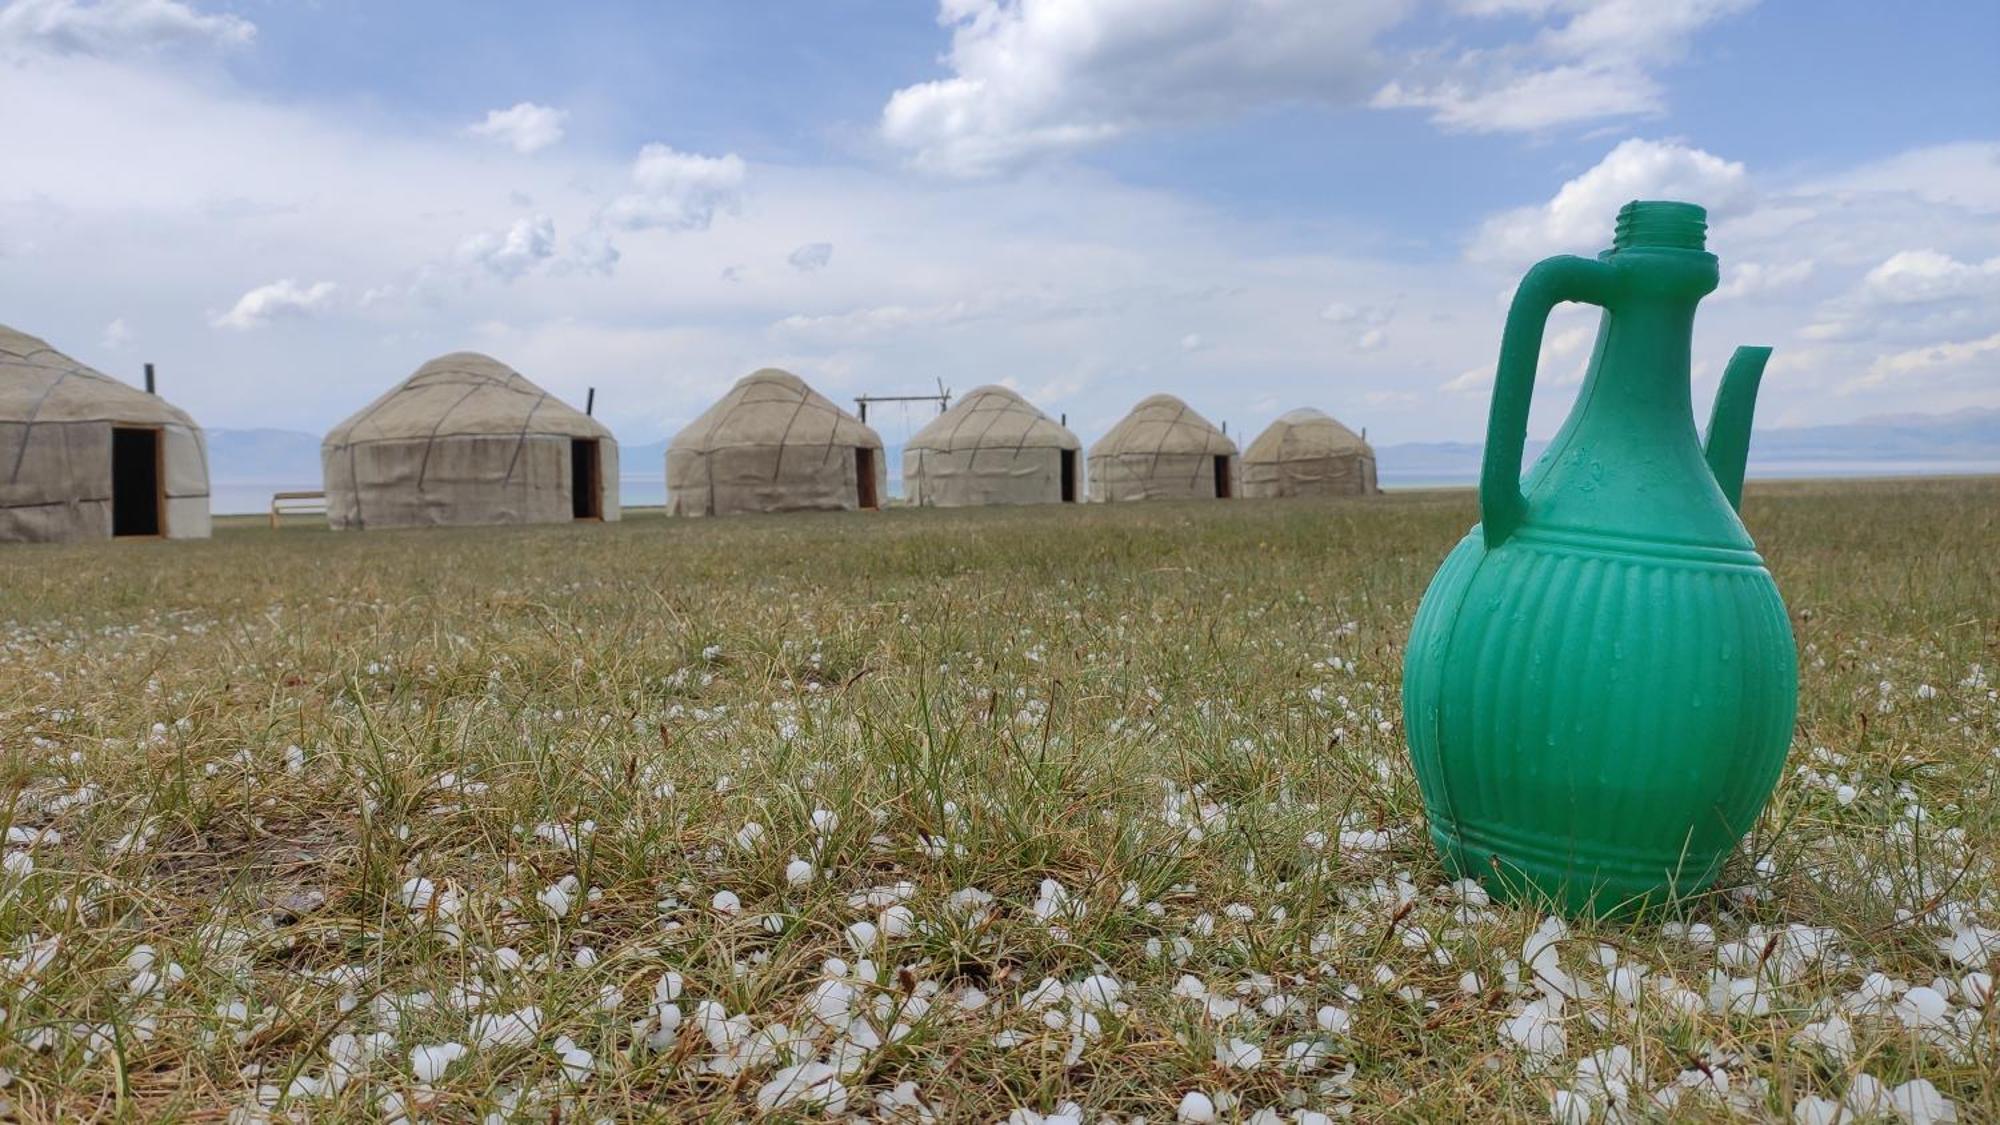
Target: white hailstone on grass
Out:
[507,959]
[1701,935]
[1333,1020]
[825,821]
[726,904]
[1241,912]
[1307,1055]
[831,1002]
[427,1062]
[1977,988]
[418,893]
[1048,992]
[295,761]
[1472,984]
[1190,987]
[1610,1077]
[509,1029]
[1538,1030]
[799,872]
[1923,1007]
[748,836]
[1866,1097]
[1625,982]
[898,921]
[1816,1111]
[861,936]
[1843,795]
[811,1084]
[1196,1108]
[578,1064]
[1918,1102]
[1972,946]
[584,957]
[610,998]
[19,864]
[1238,1054]
[1542,956]
[1098,992]
[1834,1035]
[971,999]
[555,898]
[1566,1107]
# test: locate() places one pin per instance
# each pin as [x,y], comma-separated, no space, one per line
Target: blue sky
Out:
[289,206]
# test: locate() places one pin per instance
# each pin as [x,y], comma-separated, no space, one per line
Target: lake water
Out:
[254,497]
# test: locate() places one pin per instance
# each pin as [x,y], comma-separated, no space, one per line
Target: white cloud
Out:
[116,27]
[1340,312]
[1192,342]
[1035,77]
[678,190]
[1753,278]
[528,127]
[1582,213]
[526,244]
[1470,380]
[116,335]
[1923,276]
[279,300]
[1931,360]
[1524,102]
[812,256]
[1371,340]
[1597,61]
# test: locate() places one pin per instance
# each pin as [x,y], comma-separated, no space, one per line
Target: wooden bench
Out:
[302,503]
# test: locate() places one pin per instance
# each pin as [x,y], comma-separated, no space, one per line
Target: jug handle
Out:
[1550,283]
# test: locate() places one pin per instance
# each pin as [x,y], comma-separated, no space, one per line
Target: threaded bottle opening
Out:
[1655,223]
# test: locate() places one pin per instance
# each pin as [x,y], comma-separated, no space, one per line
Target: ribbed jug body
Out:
[1600,683]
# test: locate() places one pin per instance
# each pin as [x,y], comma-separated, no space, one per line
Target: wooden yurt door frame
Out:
[1223,490]
[158,436]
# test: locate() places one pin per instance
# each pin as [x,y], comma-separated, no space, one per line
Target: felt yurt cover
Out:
[993,447]
[84,456]
[773,444]
[1163,450]
[468,440]
[1307,452]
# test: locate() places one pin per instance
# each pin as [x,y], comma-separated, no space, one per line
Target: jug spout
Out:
[1729,426]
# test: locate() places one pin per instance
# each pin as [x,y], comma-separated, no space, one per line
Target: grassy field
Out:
[1058,814]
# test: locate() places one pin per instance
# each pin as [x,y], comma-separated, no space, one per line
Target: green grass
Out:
[1171,711]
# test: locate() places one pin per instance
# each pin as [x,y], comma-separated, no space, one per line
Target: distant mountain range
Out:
[1965,440]
[247,465]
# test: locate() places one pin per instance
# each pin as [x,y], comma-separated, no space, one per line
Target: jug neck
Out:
[1640,373]
[1628,463]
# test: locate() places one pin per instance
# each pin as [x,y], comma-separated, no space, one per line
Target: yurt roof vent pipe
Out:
[589,401]
[149,380]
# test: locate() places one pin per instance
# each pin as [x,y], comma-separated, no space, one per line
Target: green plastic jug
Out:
[1601,682]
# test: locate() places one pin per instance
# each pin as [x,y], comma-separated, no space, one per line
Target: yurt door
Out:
[1069,476]
[586,480]
[136,474]
[864,478]
[1222,478]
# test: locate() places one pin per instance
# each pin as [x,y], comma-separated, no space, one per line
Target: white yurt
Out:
[1307,452]
[994,447]
[84,456]
[468,440]
[773,444]
[1163,450]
